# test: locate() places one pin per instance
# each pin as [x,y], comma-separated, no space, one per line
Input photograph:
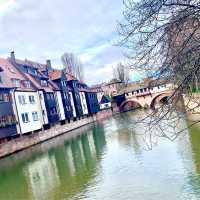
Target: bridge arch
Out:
[159,98]
[135,104]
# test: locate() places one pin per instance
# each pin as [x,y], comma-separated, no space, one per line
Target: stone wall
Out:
[104,114]
[192,106]
[27,141]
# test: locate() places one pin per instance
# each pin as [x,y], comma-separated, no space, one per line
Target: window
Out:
[53,111]
[52,96]
[65,95]
[1,97]
[68,108]
[5,97]
[48,96]
[35,116]
[22,99]
[7,120]
[25,118]
[44,83]
[27,84]
[63,83]
[16,82]
[32,99]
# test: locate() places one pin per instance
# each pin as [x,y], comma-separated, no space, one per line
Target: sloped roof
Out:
[33,64]
[10,72]
[55,74]
[51,86]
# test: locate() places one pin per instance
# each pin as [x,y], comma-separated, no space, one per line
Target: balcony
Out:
[5,109]
[8,131]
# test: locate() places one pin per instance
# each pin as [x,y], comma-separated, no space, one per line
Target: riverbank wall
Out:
[27,141]
[192,106]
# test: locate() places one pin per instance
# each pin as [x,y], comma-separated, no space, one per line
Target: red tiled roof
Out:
[9,73]
[31,63]
[51,86]
[55,74]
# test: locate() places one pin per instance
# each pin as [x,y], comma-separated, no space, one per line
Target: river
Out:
[110,160]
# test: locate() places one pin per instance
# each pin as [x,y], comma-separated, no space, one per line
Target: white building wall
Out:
[105,105]
[45,169]
[99,96]
[28,108]
[60,106]
[15,110]
[83,103]
[72,103]
[43,107]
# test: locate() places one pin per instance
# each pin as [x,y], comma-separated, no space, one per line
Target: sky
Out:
[45,29]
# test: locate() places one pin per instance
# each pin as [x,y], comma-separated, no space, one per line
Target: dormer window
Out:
[16,82]
[27,84]
[4,97]
[43,83]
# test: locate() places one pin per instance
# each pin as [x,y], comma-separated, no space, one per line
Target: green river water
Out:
[105,161]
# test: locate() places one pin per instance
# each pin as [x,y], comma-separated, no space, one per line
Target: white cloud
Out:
[7,6]
[43,29]
[92,52]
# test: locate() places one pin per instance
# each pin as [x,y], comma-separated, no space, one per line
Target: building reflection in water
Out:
[59,173]
[194,178]
[127,137]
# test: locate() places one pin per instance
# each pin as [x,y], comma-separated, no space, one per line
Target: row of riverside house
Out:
[34,96]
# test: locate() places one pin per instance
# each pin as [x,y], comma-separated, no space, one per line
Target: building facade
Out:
[34,96]
[7,117]
[60,79]
[25,100]
[92,102]
[74,86]
[83,102]
[46,89]
[28,111]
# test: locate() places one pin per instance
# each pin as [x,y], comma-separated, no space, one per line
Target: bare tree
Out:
[121,72]
[162,38]
[73,65]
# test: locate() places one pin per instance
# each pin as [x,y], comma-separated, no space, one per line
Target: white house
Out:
[28,110]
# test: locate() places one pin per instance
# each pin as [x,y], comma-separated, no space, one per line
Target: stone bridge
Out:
[145,97]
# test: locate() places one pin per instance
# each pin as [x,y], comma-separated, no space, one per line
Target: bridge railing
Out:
[148,91]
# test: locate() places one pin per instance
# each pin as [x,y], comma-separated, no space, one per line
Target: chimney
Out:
[48,63]
[12,56]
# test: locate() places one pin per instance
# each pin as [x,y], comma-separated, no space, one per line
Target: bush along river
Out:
[111,160]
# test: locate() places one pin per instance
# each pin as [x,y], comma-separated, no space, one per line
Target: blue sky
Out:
[45,29]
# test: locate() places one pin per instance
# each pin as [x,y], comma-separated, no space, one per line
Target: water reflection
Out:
[106,161]
[60,173]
